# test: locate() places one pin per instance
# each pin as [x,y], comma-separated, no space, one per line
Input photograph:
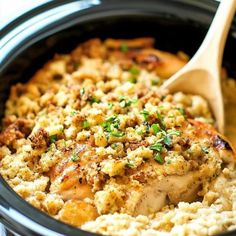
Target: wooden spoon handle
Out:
[210,53]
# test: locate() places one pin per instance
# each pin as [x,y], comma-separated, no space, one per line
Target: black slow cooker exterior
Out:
[57,27]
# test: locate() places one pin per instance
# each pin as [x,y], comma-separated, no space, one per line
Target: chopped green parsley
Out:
[134,71]
[124,47]
[117,134]
[156,128]
[94,100]
[133,80]
[159,158]
[82,91]
[157,147]
[53,138]
[155,81]
[73,113]
[85,124]
[145,114]
[74,157]
[126,102]
[110,105]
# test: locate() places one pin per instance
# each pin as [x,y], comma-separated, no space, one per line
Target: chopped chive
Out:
[126,102]
[53,138]
[133,80]
[94,100]
[167,140]
[174,132]
[134,71]
[74,157]
[123,103]
[111,123]
[161,120]
[155,81]
[130,164]
[110,105]
[181,110]
[117,134]
[159,158]
[82,91]
[124,47]
[73,113]
[114,145]
[156,147]
[145,114]
[156,128]
[64,142]
[113,118]
[85,124]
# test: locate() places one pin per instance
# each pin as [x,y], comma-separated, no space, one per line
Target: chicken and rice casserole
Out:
[93,141]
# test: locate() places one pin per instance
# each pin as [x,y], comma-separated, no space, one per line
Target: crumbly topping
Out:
[93,131]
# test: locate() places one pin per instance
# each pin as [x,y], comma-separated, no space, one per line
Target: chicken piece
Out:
[66,177]
[150,187]
[76,212]
[163,63]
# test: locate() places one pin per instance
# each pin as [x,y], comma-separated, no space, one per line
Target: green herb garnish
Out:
[181,110]
[155,81]
[129,164]
[53,138]
[124,47]
[82,91]
[156,147]
[133,80]
[134,71]
[85,124]
[114,145]
[167,140]
[156,128]
[174,132]
[111,123]
[94,100]
[74,157]
[145,114]
[159,158]
[161,119]
[117,134]
[126,102]
[110,105]
[73,113]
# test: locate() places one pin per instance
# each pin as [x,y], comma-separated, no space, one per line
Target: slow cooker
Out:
[57,27]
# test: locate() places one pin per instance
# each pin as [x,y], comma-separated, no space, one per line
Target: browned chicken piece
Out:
[76,212]
[163,63]
[129,52]
[141,190]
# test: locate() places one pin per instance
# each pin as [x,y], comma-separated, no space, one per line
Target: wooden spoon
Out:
[202,74]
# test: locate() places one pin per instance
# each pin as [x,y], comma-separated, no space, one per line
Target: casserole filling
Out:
[92,140]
